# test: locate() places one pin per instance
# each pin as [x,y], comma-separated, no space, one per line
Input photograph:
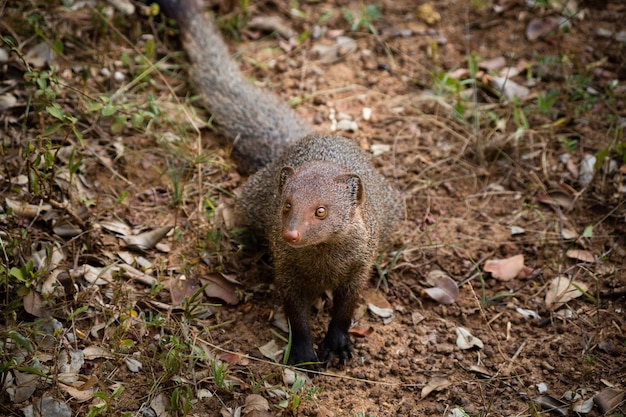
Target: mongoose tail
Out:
[258,125]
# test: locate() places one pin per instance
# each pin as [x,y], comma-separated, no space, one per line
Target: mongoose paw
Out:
[336,345]
[303,356]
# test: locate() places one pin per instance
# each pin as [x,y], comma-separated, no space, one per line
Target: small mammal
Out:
[317,199]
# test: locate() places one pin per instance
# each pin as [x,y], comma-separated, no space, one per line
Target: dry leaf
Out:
[25,385]
[539,27]
[97,352]
[562,290]
[146,240]
[324,412]
[271,350]
[445,290]
[377,304]
[608,399]
[505,269]
[232,358]
[581,255]
[33,304]
[133,365]
[557,198]
[380,311]
[510,89]
[217,286]
[80,395]
[549,403]
[256,402]
[361,332]
[26,210]
[465,340]
[270,24]
[182,287]
[437,383]
[493,63]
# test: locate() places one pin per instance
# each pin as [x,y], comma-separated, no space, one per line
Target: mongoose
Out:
[317,199]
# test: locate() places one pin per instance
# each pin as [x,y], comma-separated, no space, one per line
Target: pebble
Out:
[366,113]
[347,125]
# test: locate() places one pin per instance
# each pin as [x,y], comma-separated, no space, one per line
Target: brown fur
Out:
[317,200]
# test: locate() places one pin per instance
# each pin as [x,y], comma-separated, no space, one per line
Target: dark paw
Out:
[336,345]
[303,356]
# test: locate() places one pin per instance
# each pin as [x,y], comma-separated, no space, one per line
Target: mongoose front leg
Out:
[337,343]
[301,343]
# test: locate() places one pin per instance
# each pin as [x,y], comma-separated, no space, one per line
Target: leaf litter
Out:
[419,342]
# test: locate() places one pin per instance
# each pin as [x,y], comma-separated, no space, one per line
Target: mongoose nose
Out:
[291,236]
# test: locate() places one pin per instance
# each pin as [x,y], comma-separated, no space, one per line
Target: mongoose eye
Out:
[320,212]
[286,207]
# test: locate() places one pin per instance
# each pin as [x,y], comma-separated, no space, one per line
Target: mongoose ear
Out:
[285,173]
[355,186]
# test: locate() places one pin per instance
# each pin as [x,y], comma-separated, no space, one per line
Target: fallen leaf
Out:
[181,288]
[557,198]
[271,24]
[133,365]
[437,383]
[505,269]
[7,101]
[549,403]
[417,318]
[25,385]
[220,287]
[280,321]
[39,55]
[608,399]
[509,88]
[255,402]
[380,311]
[360,332]
[96,352]
[562,290]
[26,210]
[33,304]
[271,350]
[465,340]
[445,290]
[581,255]
[493,63]
[231,358]
[80,395]
[147,240]
[481,370]
[587,170]
[528,314]
[290,376]
[539,27]
[324,412]
[377,304]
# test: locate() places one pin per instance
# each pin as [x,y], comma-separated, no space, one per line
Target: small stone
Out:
[347,125]
[4,55]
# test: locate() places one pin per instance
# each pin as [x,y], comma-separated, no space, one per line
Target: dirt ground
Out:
[483,177]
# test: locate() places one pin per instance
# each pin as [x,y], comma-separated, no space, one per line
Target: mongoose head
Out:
[319,202]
